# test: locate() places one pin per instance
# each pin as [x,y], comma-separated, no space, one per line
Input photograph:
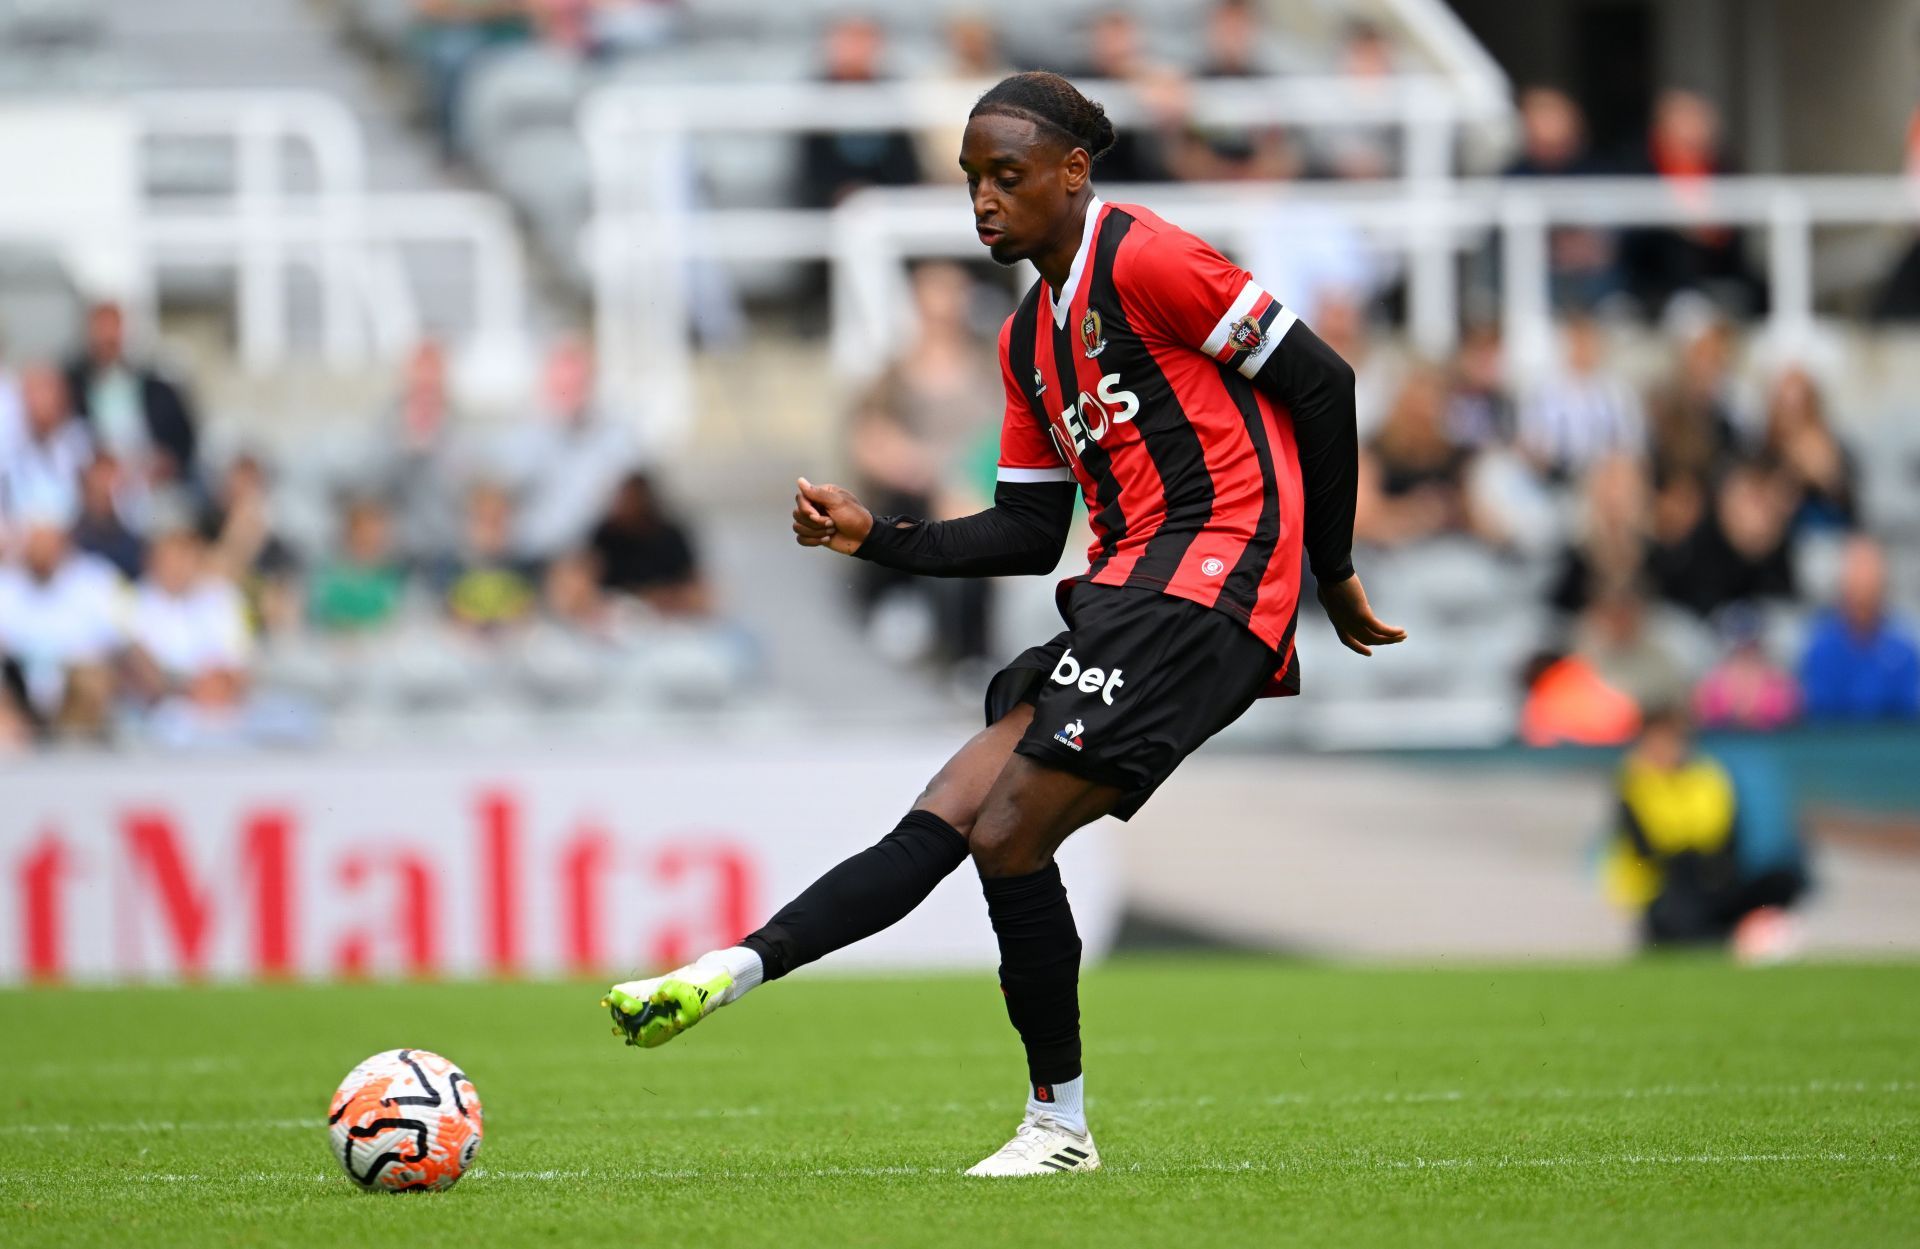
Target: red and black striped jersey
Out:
[1135,381]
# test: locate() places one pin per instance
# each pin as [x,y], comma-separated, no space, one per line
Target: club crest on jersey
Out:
[1246,334]
[1092,342]
[1039,383]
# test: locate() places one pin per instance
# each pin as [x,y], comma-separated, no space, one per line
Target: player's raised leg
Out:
[1031,809]
[872,890]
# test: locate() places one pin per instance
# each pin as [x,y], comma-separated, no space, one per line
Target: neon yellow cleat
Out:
[650,1013]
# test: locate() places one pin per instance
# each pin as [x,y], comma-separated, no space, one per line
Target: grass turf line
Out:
[1236,1101]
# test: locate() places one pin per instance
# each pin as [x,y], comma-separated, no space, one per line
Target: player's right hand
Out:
[831,517]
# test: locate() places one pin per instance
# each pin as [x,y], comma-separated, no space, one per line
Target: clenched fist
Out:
[831,517]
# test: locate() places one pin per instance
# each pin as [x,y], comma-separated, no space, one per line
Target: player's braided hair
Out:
[1052,103]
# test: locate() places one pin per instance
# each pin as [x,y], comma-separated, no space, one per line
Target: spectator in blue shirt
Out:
[1861,664]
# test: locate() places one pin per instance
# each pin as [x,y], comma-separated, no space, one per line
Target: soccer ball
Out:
[405,1121]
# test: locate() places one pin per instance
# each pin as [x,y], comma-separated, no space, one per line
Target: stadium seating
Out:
[1478,613]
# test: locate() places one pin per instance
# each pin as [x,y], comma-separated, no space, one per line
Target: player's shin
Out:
[872,890]
[1040,976]
[857,898]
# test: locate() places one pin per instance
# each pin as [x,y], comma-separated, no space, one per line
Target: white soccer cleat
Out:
[1041,1146]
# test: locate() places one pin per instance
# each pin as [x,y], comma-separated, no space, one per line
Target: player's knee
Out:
[950,804]
[999,850]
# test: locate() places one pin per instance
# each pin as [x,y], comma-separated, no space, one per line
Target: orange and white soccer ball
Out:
[405,1121]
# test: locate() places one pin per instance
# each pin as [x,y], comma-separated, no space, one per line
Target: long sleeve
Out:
[1820,673]
[1629,830]
[1023,533]
[1316,386]
[1199,298]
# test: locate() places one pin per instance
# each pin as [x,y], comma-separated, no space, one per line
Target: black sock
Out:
[870,891]
[1039,969]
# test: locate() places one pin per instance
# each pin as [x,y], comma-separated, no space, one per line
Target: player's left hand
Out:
[829,516]
[1359,629]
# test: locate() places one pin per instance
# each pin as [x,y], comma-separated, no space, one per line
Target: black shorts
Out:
[1133,686]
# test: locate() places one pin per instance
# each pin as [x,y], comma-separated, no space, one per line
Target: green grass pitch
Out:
[1237,1101]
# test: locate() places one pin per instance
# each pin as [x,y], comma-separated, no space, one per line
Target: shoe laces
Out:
[1029,1140]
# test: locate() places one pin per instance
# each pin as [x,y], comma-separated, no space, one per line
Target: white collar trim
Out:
[1064,300]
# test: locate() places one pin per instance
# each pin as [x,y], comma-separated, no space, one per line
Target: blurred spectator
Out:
[1412,475]
[973,56]
[973,49]
[192,654]
[833,166]
[188,625]
[575,601]
[913,424]
[13,414]
[1746,689]
[1617,638]
[1586,411]
[1609,551]
[1802,449]
[61,627]
[16,725]
[1861,663]
[1215,153]
[1114,51]
[648,554]
[1234,154]
[566,463]
[911,434]
[101,529]
[1340,318]
[41,471]
[1739,549]
[1679,508]
[447,39]
[142,417]
[1697,421]
[1684,149]
[419,460]
[1480,410]
[1568,703]
[363,587]
[583,637]
[238,526]
[483,586]
[564,26]
[1553,137]
[621,26]
[1675,856]
[1235,41]
[1583,262]
[1368,61]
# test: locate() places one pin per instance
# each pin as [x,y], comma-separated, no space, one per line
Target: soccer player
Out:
[1212,435]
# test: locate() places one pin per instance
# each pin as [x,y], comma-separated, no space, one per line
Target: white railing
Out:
[245,227]
[369,309]
[647,225]
[1437,30]
[873,234]
[266,224]
[879,230]
[1788,209]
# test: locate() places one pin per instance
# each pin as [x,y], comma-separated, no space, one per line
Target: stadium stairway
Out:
[264,45]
